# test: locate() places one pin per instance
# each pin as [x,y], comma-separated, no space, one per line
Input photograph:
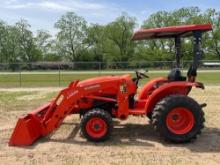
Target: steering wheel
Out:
[141,75]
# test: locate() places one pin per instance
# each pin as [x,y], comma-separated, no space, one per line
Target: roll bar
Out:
[178,32]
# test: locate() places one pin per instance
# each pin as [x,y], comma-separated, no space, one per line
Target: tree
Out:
[3,38]
[75,41]
[9,43]
[45,44]
[71,36]
[158,49]
[12,45]
[213,40]
[188,15]
[164,49]
[119,33]
[27,48]
[97,38]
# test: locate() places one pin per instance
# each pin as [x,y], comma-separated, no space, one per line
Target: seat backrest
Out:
[176,75]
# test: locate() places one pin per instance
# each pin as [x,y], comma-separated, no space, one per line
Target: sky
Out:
[42,14]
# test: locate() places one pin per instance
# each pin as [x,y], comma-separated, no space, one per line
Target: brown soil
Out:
[133,141]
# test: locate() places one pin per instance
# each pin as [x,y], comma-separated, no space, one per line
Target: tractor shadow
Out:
[122,135]
[143,136]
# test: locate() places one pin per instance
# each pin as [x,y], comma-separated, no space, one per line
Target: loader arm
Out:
[62,106]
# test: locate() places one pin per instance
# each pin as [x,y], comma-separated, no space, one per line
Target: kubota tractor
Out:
[174,115]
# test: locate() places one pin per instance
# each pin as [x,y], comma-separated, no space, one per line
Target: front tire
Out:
[96,125]
[178,118]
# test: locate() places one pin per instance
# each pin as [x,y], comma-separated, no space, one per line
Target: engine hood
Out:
[103,79]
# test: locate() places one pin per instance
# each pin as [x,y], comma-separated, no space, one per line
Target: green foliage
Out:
[97,41]
[71,36]
[119,34]
[78,41]
[212,41]
[164,49]
[27,49]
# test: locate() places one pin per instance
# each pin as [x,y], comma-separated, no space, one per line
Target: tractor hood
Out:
[104,79]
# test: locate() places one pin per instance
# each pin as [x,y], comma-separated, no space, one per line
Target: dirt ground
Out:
[132,142]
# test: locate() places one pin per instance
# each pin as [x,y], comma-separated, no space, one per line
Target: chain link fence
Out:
[56,74]
[83,66]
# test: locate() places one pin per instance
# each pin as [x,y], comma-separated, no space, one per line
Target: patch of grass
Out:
[209,77]
[53,79]
[19,101]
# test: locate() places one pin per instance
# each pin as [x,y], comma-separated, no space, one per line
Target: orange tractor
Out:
[174,115]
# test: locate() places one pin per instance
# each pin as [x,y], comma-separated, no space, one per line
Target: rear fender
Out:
[149,87]
[172,88]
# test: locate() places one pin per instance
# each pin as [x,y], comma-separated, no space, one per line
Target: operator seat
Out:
[176,75]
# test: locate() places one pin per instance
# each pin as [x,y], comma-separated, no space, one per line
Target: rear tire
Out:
[96,125]
[178,118]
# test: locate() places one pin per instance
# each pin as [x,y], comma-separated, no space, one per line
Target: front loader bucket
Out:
[28,128]
[45,119]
